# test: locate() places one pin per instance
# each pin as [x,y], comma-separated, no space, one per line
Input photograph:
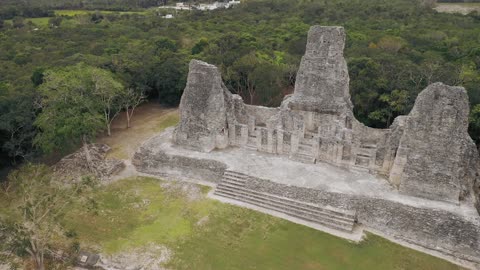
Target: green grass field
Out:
[42,22]
[72,13]
[232,238]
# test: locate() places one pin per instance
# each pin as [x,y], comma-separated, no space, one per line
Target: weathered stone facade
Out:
[417,180]
[428,153]
[436,229]
[204,109]
[436,158]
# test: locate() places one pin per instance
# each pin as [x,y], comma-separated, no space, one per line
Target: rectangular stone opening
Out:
[287,137]
[238,131]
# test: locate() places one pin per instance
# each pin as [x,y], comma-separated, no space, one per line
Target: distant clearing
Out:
[43,21]
[37,21]
[462,8]
[72,12]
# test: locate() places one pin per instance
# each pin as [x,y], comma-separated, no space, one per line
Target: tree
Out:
[17,115]
[391,44]
[242,76]
[131,100]
[269,83]
[199,46]
[96,17]
[37,76]
[69,112]
[109,93]
[474,123]
[366,82]
[77,102]
[55,21]
[168,77]
[18,22]
[164,43]
[397,103]
[41,201]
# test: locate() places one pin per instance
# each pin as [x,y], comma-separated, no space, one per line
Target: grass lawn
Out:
[72,13]
[137,211]
[41,22]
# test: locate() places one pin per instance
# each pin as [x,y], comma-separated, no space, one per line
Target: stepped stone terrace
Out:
[310,159]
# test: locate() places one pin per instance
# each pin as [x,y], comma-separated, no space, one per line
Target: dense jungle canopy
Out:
[394,49]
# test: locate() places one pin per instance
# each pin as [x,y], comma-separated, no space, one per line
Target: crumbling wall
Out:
[427,154]
[433,228]
[89,160]
[322,80]
[177,167]
[435,154]
[203,109]
[262,116]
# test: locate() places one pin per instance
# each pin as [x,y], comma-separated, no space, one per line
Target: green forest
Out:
[65,75]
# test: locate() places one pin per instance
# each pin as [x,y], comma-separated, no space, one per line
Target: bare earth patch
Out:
[191,192]
[151,257]
[149,119]
[461,8]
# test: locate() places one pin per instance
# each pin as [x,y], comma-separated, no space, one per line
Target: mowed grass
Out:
[41,22]
[72,13]
[132,213]
[137,211]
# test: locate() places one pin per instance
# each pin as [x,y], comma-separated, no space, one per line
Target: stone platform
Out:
[310,158]
[376,203]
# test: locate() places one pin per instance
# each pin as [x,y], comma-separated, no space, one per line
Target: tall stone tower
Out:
[203,110]
[322,79]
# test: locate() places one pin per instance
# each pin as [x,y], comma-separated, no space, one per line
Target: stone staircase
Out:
[309,134]
[305,152]
[251,143]
[365,156]
[233,186]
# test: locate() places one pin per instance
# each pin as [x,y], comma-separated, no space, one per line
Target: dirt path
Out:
[149,119]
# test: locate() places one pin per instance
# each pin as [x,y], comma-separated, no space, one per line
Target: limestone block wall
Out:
[262,115]
[315,91]
[432,228]
[178,166]
[203,109]
[427,154]
[449,231]
[433,155]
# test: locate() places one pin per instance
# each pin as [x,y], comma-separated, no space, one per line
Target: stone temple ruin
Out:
[311,159]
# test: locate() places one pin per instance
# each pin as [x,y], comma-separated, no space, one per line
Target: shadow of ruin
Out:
[311,159]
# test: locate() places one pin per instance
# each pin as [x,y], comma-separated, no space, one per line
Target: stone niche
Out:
[426,154]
